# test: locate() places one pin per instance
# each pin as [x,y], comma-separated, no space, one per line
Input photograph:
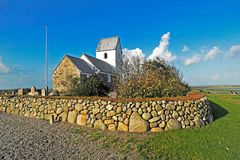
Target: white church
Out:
[105,64]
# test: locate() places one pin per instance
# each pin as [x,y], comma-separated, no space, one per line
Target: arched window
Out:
[105,55]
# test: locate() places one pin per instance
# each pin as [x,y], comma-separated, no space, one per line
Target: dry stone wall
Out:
[134,116]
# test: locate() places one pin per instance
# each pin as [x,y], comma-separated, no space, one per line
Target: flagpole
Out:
[46,61]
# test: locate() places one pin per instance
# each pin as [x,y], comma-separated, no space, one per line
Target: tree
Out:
[91,86]
[146,78]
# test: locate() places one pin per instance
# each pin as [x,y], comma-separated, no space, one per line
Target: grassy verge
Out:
[122,142]
[219,140]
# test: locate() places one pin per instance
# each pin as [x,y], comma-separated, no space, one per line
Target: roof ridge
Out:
[98,59]
[110,37]
[70,56]
[96,62]
[79,59]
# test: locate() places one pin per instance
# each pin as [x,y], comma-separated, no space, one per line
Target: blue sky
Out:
[209,30]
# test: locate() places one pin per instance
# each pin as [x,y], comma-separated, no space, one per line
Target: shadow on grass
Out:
[218,111]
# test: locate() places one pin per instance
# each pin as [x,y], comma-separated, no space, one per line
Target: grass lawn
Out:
[219,140]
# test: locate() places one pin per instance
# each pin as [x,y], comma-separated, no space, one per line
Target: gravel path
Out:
[30,138]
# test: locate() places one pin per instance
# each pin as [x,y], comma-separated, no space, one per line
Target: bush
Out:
[92,86]
[145,79]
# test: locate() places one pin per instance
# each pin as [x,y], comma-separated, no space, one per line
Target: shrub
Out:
[144,79]
[92,86]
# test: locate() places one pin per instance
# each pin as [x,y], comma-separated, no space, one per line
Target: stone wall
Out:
[133,115]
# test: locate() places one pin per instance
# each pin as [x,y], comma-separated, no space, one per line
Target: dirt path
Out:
[29,138]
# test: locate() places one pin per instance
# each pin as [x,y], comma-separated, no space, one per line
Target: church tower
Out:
[110,51]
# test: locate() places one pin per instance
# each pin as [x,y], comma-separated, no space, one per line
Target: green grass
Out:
[219,140]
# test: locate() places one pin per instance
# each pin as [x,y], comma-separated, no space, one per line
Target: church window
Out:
[109,78]
[105,55]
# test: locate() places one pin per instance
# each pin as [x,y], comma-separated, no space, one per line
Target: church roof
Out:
[106,44]
[81,65]
[101,65]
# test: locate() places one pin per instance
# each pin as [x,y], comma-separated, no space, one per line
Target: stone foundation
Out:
[133,115]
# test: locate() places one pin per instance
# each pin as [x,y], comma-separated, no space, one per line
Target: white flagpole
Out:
[46,63]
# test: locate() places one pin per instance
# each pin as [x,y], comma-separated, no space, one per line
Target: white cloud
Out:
[212,53]
[3,67]
[129,54]
[234,51]
[194,59]
[185,48]
[162,50]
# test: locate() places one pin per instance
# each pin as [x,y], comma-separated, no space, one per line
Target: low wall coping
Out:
[189,96]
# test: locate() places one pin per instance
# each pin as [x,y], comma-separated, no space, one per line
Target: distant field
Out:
[218,86]
[233,89]
[219,140]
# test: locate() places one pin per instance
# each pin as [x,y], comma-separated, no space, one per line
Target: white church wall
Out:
[111,57]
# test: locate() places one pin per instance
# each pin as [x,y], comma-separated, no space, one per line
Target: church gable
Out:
[65,66]
[62,74]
